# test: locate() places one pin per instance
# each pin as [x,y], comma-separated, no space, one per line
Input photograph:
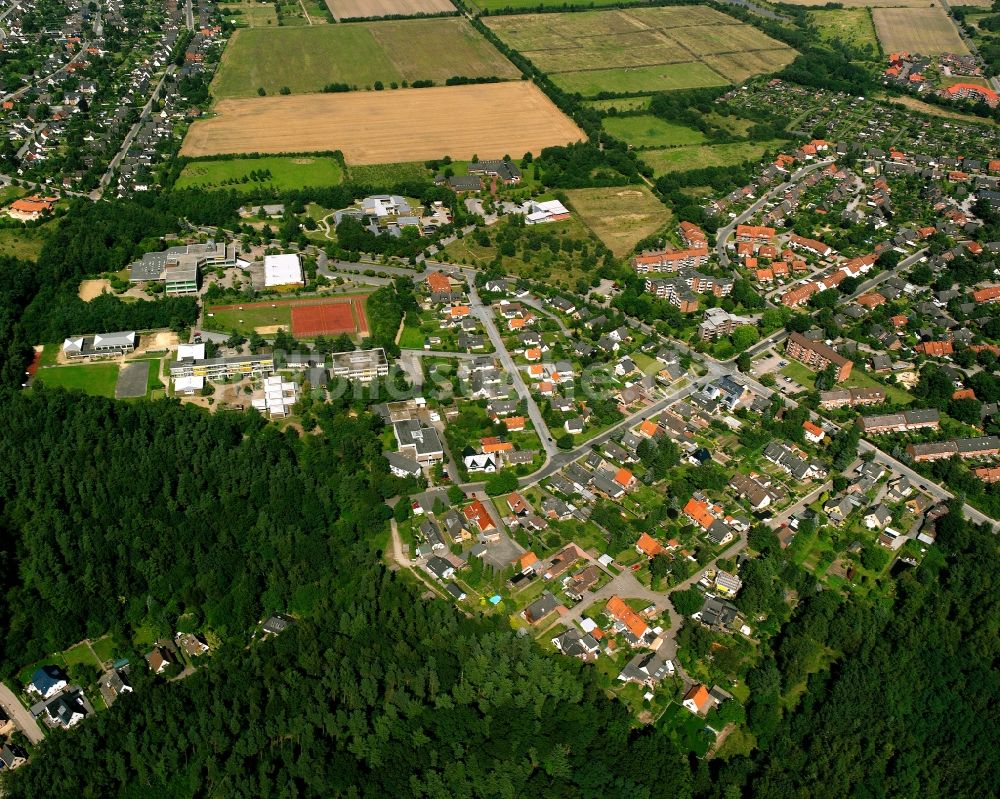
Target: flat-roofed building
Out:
[282,270]
[220,368]
[276,397]
[361,365]
[178,267]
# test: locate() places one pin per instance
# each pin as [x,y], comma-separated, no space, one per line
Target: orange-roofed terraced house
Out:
[697,510]
[935,349]
[754,234]
[627,618]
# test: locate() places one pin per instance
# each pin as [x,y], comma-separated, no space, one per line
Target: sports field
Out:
[356,9]
[305,317]
[330,318]
[387,127]
[851,25]
[98,379]
[650,131]
[928,31]
[250,174]
[620,216]
[639,49]
[306,59]
[683,159]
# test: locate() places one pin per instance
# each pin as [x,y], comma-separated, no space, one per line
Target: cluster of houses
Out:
[919,73]
[78,78]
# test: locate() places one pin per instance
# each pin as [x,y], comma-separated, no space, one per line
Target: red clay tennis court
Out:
[332,318]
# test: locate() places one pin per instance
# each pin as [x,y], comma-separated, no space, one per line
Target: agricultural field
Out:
[851,25]
[250,174]
[737,67]
[661,77]
[681,159]
[650,131]
[621,104]
[250,14]
[356,9]
[97,379]
[620,216]
[641,49]
[413,124]
[867,3]
[307,59]
[929,31]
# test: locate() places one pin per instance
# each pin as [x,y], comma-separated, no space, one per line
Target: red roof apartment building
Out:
[817,355]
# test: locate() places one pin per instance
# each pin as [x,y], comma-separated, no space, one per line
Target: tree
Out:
[688,601]
[455,495]
[402,510]
[565,441]
[502,482]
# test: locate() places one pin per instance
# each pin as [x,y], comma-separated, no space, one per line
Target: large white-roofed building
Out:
[282,270]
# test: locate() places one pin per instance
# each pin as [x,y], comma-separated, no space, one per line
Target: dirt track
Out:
[489,120]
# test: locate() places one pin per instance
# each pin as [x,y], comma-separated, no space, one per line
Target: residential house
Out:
[697,700]
[541,607]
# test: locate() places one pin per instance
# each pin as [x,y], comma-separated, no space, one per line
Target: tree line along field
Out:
[356,9]
[488,120]
[358,54]
[641,49]
[274,172]
[929,31]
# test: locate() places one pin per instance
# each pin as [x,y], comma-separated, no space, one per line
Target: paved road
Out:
[130,136]
[534,302]
[19,713]
[485,315]
[784,515]
[189,15]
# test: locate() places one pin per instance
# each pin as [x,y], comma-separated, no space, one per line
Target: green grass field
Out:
[650,131]
[249,318]
[26,244]
[250,14]
[305,59]
[662,77]
[97,379]
[388,174]
[682,159]
[620,216]
[285,173]
[105,648]
[621,103]
[851,25]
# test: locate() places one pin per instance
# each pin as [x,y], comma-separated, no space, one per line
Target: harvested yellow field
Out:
[358,9]
[488,120]
[870,3]
[928,31]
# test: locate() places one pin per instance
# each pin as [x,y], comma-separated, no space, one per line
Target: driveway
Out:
[19,713]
